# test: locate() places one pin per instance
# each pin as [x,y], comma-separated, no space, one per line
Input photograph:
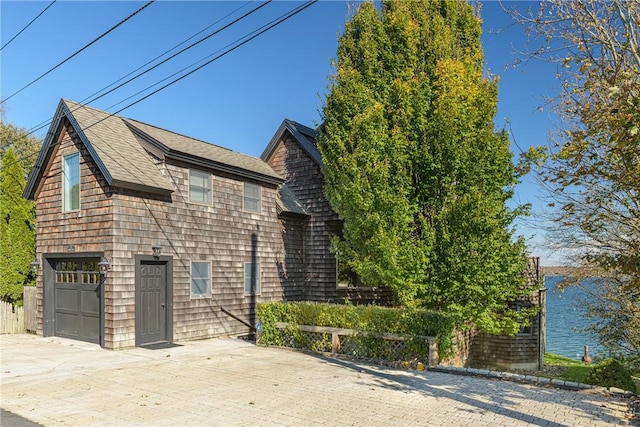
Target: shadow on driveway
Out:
[487,394]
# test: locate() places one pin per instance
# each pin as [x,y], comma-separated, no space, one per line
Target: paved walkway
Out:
[224,382]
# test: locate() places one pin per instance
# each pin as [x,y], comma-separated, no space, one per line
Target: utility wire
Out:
[174,55]
[27,26]
[78,51]
[183,50]
[88,99]
[263,29]
[245,39]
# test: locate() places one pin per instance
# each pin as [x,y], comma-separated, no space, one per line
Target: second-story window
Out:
[252,197]
[71,182]
[199,186]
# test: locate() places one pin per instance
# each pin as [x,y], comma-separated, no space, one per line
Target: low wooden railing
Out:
[340,336]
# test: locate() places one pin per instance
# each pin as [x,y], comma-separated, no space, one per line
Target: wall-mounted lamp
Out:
[35,265]
[104,265]
[157,250]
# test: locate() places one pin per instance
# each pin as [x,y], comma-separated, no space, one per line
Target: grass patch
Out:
[564,368]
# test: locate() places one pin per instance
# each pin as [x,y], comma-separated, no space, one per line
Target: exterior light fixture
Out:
[35,265]
[157,250]
[104,265]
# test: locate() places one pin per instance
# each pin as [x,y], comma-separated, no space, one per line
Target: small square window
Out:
[199,186]
[252,197]
[252,278]
[71,182]
[200,279]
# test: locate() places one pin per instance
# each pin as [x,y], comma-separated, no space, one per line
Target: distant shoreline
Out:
[560,271]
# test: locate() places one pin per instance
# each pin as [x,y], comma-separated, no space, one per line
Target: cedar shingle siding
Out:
[304,178]
[134,194]
[88,230]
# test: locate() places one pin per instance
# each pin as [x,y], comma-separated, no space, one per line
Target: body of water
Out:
[565,319]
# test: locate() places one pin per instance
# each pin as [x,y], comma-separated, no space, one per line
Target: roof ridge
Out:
[305,129]
[183,135]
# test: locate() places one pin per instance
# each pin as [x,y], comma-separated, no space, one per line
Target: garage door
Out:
[77,299]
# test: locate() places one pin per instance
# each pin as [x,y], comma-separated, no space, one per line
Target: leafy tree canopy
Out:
[17,231]
[25,147]
[414,167]
[593,161]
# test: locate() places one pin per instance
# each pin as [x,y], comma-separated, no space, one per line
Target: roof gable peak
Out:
[303,135]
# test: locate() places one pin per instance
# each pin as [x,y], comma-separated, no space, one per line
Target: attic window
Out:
[199,186]
[71,182]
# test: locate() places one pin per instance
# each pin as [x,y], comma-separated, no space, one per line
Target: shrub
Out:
[611,373]
[401,321]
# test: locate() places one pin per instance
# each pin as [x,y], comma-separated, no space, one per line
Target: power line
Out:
[255,33]
[27,26]
[88,99]
[78,51]
[182,51]
[240,42]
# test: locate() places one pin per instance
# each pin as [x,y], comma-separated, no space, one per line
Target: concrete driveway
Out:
[225,382]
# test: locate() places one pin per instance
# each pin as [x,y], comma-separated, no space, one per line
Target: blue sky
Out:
[239,100]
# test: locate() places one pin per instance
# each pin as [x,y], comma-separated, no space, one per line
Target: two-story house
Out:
[147,236]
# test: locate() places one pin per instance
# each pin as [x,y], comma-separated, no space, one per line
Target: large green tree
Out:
[414,167]
[593,167]
[17,230]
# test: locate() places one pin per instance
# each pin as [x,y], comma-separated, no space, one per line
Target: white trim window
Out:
[252,200]
[71,182]
[252,278]
[199,186]
[200,279]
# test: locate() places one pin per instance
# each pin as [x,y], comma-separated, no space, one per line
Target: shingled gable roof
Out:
[287,202]
[114,144]
[181,147]
[304,135]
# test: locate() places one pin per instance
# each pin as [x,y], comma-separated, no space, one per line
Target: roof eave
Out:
[141,187]
[225,168]
[50,139]
[44,154]
[92,152]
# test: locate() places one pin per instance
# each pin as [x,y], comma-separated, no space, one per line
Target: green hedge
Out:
[611,373]
[400,321]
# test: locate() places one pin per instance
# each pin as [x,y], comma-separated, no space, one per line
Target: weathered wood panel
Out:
[521,351]
[304,177]
[30,308]
[290,261]
[11,318]
[220,233]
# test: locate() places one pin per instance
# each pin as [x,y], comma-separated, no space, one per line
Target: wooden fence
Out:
[339,340]
[17,320]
